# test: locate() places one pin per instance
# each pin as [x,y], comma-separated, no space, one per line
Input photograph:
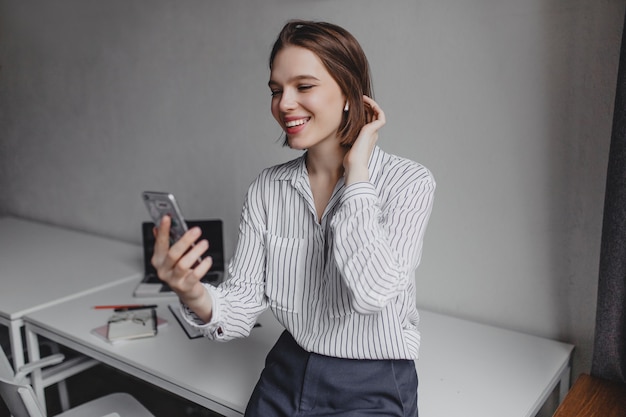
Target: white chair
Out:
[54,376]
[21,400]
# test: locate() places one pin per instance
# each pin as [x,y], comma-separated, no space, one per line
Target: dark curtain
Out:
[609,355]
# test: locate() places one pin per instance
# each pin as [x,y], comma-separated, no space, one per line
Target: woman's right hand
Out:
[179,268]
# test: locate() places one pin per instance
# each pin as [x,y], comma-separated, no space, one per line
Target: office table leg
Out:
[17,347]
[564,384]
[36,380]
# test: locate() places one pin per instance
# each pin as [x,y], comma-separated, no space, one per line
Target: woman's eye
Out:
[275,93]
[304,87]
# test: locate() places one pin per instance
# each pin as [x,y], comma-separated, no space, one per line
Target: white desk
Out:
[42,265]
[218,376]
[464,367]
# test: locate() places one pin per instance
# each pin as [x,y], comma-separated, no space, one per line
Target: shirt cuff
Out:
[193,319]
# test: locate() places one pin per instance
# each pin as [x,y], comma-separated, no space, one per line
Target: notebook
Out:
[152,286]
[135,324]
[101,332]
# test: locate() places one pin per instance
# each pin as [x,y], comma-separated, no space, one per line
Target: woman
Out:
[328,241]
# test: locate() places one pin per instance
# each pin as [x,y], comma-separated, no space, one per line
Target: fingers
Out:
[356,160]
[201,269]
[181,259]
[178,249]
[163,230]
[182,264]
[188,271]
[162,241]
[378,115]
[369,133]
[184,280]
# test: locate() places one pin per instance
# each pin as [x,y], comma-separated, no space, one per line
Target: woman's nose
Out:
[287,101]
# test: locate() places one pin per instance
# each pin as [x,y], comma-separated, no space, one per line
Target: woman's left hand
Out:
[356,160]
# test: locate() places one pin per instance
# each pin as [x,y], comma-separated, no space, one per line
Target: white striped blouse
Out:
[342,286]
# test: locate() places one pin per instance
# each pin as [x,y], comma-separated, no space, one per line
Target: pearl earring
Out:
[346,107]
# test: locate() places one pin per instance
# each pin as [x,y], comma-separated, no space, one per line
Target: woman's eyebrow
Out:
[296,78]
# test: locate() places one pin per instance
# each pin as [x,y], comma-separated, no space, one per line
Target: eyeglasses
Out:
[136,317]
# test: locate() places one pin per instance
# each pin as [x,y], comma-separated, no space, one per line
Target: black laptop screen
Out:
[212,230]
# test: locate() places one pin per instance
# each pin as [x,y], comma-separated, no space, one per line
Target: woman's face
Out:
[306,101]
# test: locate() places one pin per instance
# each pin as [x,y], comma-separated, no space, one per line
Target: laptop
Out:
[152,286]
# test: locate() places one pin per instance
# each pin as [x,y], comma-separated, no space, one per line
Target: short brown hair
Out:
[343,58]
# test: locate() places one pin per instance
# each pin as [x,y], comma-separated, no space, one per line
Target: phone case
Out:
[160,204]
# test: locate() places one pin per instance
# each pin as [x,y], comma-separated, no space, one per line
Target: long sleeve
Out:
[378,244]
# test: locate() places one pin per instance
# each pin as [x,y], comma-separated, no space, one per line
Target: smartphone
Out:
[160,204]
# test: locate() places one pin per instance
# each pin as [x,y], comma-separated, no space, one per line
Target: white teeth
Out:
[296,122]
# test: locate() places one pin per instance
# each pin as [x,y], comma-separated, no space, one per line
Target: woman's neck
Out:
[326,161]
[325,168]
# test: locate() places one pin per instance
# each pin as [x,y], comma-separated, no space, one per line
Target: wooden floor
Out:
[594,397]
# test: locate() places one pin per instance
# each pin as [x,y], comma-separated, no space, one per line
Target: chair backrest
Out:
[19,397]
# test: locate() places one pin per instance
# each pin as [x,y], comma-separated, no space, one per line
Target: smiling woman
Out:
[306,101]
[344,61]
[328,241]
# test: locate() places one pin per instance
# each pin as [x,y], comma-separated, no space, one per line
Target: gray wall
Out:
[508,102]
